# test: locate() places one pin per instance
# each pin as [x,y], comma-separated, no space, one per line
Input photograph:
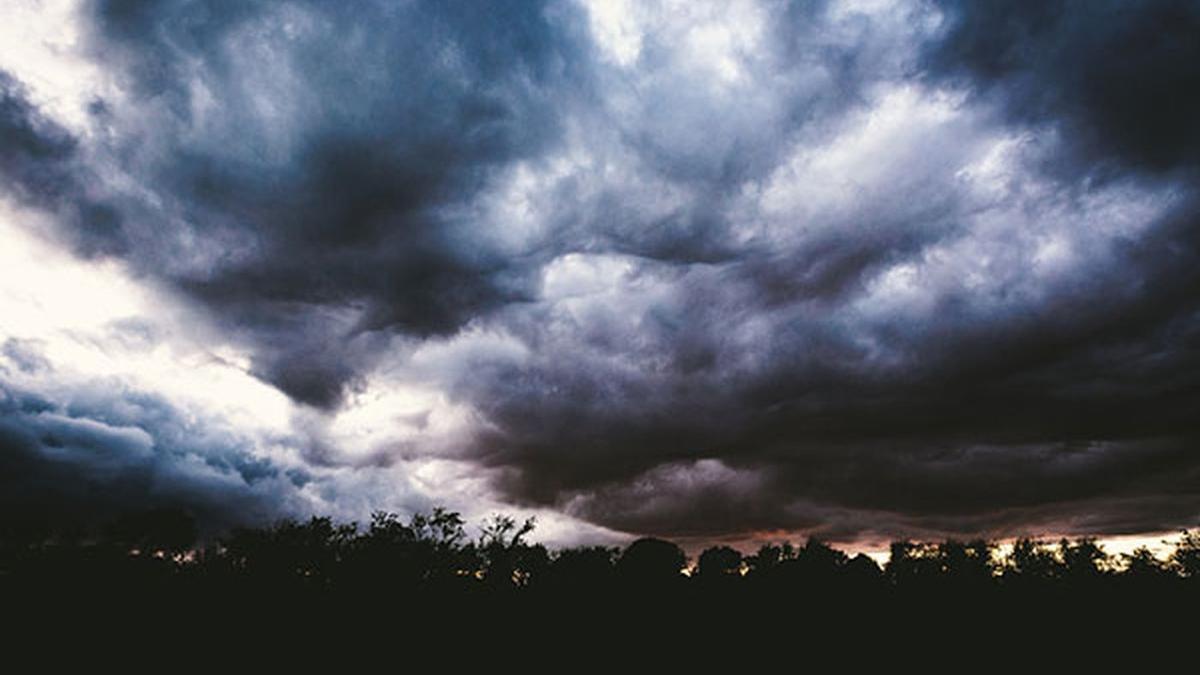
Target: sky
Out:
[739,271]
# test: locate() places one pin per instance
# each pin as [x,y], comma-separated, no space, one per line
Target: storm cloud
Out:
[860,269]
[88,460]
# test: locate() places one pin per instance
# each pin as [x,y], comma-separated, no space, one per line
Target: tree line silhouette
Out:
[427,587]
[432,555]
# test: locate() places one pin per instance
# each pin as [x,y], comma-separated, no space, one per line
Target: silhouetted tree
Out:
[863,573]
[1083,560]
[589,568]
[291,551]
[391,555]
[507,560]
[818,558]
[1185,559]
[969,564]
[651,561]
[767,559]
[1141,564]
[1032,561]
[913,564]
[719,562]
[164,531]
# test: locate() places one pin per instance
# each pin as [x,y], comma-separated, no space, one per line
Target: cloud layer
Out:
[865,269]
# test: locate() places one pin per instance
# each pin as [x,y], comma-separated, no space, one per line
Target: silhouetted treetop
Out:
[719,561]
[649,560]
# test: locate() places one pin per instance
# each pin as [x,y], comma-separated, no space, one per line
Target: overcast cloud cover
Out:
[862,269]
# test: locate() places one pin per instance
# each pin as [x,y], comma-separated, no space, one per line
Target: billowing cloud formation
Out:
[868,269]
[90,461]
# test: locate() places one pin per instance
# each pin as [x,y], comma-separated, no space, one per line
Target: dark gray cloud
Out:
[827,416]
[40,167]
[1116,78]
[785,266]
[107,451]
[35,148]
[24,355]
[319,152]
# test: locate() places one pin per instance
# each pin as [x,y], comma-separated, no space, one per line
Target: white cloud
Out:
[92,319]
[40,39]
